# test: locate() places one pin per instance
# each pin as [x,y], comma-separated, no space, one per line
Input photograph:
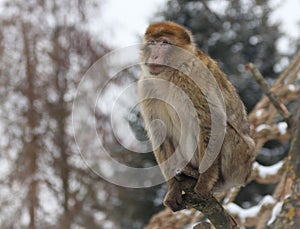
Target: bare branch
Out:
[211,208]
[282,110]
[290,72]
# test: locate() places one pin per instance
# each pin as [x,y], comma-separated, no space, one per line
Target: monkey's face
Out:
[157,51]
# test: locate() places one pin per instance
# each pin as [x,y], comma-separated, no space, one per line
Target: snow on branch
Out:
[268,174]
[248,217]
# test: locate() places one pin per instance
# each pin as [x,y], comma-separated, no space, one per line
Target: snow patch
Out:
[265,171]
[262,127]
[282,127]
[275,212]
[250,212]
[258,113]
[187,211]
[178,216]
[228,197]
[291,87]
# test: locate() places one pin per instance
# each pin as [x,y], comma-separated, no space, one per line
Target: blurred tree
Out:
[129,207]
[234,33]
[44,52]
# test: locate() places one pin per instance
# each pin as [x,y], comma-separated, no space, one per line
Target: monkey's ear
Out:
[186,36]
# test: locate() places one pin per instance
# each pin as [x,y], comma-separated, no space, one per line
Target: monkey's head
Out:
[159,41]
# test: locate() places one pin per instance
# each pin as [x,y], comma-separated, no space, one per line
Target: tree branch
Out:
[280,107]
[211,208]
[289,217]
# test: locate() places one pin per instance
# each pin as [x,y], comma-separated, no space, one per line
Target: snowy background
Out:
[126,21]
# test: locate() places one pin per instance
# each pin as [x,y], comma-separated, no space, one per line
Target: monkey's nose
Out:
[154,57]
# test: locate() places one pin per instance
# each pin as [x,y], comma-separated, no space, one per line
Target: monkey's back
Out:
[238,149]
[237,152]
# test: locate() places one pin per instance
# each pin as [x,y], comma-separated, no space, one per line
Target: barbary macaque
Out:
[180,104]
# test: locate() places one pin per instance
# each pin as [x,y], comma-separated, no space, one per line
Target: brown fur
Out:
[175,32]
[234,162]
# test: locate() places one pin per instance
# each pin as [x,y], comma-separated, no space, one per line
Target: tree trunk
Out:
[289,217]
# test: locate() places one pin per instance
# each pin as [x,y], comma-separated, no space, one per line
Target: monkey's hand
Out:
[173,199]
[187,171]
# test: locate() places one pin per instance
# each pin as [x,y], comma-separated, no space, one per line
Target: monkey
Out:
[229,165]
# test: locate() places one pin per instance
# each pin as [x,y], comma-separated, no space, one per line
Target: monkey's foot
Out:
[173,200]
[188,171]
[203,187]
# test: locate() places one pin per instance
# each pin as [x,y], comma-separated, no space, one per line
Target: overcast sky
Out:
[123,21]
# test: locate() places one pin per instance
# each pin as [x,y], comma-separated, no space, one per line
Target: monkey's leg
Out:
[207,180]
[173,198]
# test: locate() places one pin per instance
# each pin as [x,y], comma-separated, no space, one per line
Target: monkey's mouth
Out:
[155,69]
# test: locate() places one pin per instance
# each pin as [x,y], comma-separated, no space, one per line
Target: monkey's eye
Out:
[166,42]
[151,42]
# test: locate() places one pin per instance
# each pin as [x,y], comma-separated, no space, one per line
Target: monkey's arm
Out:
[167,161]
[154,114]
